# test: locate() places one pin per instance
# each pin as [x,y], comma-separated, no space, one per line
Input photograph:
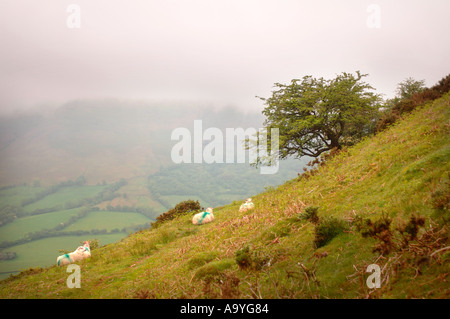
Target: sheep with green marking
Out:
[80,253]
[203,217]
[247,205]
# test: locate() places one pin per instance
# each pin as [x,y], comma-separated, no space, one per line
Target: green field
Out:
[21,226]
[136,193]
[108,220]
[65,196]
[15,195]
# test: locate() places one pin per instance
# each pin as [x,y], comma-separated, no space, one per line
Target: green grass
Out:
[394,173]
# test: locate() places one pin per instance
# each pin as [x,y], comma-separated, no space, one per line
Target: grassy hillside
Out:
[385,201]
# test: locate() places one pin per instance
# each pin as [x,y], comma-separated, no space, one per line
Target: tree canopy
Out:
[316,115]
[408,87]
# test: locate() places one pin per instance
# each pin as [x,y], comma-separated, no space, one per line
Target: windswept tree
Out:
[316,115]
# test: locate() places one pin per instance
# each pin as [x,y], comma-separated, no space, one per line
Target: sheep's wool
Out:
[202,218]
[246,206]
[80,253]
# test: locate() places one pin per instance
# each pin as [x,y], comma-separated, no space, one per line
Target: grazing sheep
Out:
[247,205]
[203,217]
[80,253]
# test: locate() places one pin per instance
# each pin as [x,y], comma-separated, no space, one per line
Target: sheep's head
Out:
[209,210]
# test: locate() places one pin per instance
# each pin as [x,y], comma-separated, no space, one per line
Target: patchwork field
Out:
[43,252]
[15,195]
[37,223]
[22,226]
[67,196]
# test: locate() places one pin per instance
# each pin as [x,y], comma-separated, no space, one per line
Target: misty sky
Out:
[225,52]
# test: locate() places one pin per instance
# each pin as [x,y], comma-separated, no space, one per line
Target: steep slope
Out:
[400,173]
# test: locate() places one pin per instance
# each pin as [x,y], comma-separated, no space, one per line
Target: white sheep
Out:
[80,253]
[247,205]
[203,217]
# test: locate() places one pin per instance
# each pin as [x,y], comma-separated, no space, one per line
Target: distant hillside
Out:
[101,140]
[104,141]
[383,202]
